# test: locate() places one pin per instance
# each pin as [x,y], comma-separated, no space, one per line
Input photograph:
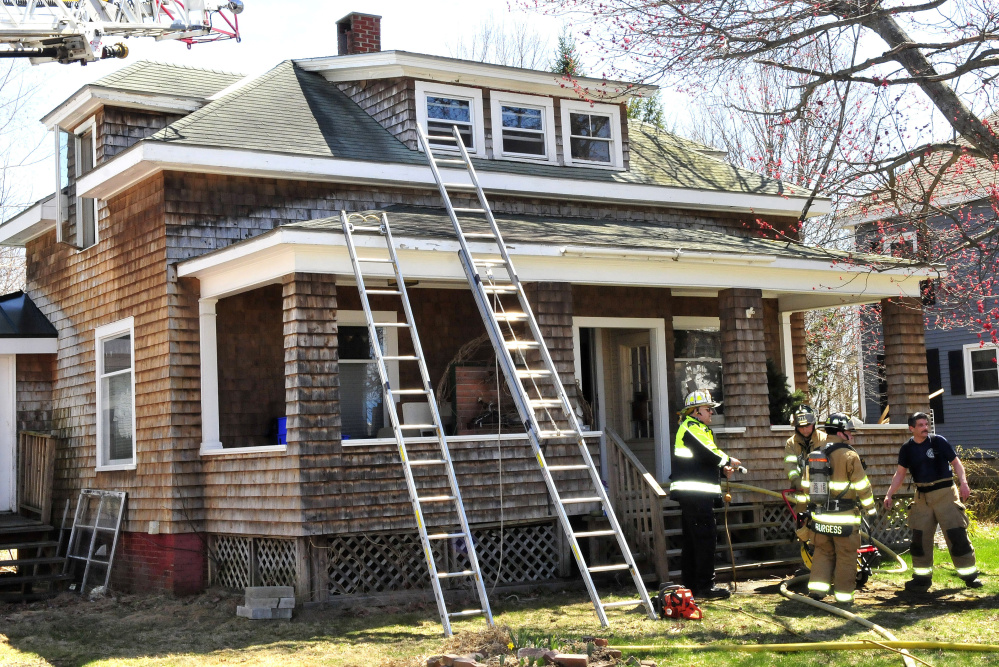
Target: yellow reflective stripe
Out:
[838,520]
[801,499]
[793,473]
[967,571]
[700,487]
[844,597]
[791,459]
[805,483]
[922,571]
[862,484]
[683,453]
[867,501]
[872,511]
[838,486]
[819,586]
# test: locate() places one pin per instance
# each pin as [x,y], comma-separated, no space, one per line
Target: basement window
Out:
[439,108]
[115,395]
[591,134]
[523,127]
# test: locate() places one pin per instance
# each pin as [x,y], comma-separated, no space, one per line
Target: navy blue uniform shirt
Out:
[929,460]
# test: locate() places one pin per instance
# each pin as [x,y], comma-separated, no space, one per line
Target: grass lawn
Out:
[204,630]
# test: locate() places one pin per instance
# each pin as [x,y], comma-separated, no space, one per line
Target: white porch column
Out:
[8,433]
[786,348]
[210,435]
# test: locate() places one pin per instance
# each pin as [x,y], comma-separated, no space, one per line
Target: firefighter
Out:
[838,492]
[805,439]
[696,485]
[930,460]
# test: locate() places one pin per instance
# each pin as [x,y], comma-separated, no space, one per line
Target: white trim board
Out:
[8,433]
[29,345]
[147,158]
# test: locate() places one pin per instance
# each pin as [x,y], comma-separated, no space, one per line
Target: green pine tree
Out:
[783,402]
[647,109]
[567,61]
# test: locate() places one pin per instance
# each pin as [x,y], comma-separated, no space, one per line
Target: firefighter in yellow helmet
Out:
[696,485]
[838,494]
[805,439]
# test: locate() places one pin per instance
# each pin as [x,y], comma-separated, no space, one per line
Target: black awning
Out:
[20,318]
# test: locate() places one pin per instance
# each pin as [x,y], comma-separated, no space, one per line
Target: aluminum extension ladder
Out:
[534,384]
[376,227]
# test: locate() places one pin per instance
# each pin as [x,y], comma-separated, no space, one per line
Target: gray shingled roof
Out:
[148,76]
[434,223]
[288,110]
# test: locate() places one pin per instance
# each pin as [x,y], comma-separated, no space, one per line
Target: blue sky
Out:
[272,31]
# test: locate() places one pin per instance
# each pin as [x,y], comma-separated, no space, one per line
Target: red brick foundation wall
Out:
[173,564]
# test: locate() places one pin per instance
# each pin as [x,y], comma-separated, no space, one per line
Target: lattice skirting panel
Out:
[237,561]
[387,562]
[888,527]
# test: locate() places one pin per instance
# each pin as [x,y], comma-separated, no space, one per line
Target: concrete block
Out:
[286,603]
[254,613]
[262,603]
[256,592]
[284,614]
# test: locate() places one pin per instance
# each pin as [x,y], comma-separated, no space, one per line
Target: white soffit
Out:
[148,157]
[802,284]
[89,99]
[388,64]
[29,345]
[29,223]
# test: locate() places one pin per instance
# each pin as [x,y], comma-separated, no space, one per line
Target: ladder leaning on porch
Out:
[376,227]
[530,373]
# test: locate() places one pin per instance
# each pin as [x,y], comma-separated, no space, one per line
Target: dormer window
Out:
[591,134]
[85,154]
[523,127]
[439,108]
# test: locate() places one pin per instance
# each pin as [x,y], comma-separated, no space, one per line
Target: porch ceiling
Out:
[581,251]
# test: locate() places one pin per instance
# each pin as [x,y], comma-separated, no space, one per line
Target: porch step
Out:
[731,526]
[28,545]
[747,565]
[674,511]
[19,579]
[737,546]
[42,560]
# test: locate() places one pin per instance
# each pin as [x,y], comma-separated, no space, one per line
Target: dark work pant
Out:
[700,537]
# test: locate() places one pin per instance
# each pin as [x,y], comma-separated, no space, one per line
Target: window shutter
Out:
[955,358]
[934,381]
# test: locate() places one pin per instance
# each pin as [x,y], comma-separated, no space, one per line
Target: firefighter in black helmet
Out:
[805,439]
[838,492]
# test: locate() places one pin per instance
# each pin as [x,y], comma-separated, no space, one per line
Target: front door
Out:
[632,391]
[8,492]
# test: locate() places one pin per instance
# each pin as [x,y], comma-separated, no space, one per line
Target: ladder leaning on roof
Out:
[530,373]
[376,227]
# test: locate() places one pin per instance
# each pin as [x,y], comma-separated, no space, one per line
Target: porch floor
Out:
[14,523]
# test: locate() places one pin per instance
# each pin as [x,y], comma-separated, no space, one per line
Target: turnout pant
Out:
[698,542]
[834,565]
[943,507]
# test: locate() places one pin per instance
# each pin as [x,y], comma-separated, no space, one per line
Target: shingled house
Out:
[194,268]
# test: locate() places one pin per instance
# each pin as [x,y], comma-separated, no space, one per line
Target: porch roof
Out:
[23,328]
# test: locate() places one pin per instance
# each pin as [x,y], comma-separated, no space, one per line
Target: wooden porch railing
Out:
[35,470]
[638,503]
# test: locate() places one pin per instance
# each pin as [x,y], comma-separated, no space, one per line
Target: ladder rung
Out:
[466,612]
[556,434]
[401,358]
[407,392]
[375,260]
[413,427]
[539,402]
[596,533]
[389,292]
[608,568]
[469,210]
[427,462]
[580,466]
[499,289]
[436,499]
[459,186]
[623,603]
[584,499]
[441,137]
[361,228]
[392,324]
[522,344]
[480,235]
[488,262]
[510,317]
[452,575]
[445,536]
[533,374]
[449,160]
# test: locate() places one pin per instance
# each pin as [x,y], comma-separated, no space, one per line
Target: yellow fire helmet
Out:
[696,399]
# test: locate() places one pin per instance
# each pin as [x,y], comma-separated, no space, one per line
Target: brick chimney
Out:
[358,33]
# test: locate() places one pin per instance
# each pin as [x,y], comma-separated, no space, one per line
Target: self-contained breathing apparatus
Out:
[819,496]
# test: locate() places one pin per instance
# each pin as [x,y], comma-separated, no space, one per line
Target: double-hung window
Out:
[591,134]
[362,405]
[981,370]
[697,358]
[523,127]
[441,108]
[115,353]
[85,153]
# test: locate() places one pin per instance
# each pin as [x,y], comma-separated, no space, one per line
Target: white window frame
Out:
[969,384]
[101,334]
[355,318]
[696,323]
[616,149]
[78,132]
[473,95]
[499,99]
[900,237]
